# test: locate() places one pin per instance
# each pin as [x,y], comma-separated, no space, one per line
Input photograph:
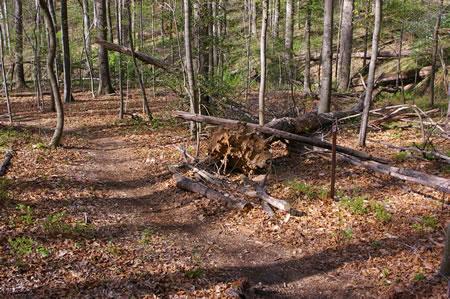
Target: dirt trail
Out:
[145,198]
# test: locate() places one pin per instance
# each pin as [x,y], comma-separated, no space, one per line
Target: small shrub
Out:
[419,276]
[376,244]
[27,214]
[194,273]
[400,156]
[298,188]
[357,204]
[146,237]
[380,211]
[21,246]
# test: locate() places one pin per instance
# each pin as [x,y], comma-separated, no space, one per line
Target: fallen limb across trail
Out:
[139,55]
[279,133]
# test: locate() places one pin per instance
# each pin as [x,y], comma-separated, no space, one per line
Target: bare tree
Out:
[262,86]
[189,65]
[434,55]
[327,56]
[345,53]
[56,139]
[307,72]
[5,83]
[66,54]
[18,25]
[371,79]
[105,86]
[288,40]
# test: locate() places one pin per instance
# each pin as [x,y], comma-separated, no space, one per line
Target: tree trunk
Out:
[56,139]
[138,73]
[119,41]
[366,32]
[307,71]
[19,44]
[275,18]
[86,24]
[345,54]
[192,90]
[288,34]
[5,83]
[109,22]
[254,15]
[327,58]
[105,86]
[5,15]
[262,87]
[66,54]
[445,263]
[434,55]
[371,79]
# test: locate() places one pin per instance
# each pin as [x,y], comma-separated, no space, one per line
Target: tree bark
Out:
[371,79]
[18,24]
[5,83]
[119,41]
[254,15]
[105,86]
[275,18]
[445,263]
[56,139]
[345,54]
[262,86]
[86,24]
[307,71]
[66,54]
[192,90]
[288,36]
[434,55]
[327,56]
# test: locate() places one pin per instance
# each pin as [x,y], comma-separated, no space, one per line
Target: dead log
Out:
[435,182]
[279,133]
[5,163]
[139,55]
[196,187]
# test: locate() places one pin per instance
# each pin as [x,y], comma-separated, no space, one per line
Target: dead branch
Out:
[437,155]
[139,55]
[280,134]
[435,182]
[196,187]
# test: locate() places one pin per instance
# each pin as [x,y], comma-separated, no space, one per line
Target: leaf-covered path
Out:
[102,217]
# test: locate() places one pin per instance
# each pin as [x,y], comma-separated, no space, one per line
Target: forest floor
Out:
[102,217]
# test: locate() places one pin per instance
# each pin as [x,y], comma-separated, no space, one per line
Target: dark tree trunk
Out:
[105,86]
[19,44]
[434,55]
[56,140]
[66,53]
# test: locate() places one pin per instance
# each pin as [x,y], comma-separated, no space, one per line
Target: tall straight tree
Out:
[56,139]
[345,53]
[434,54]
[105,86]
[193,99]
[327,58]
[288,37]
[66,54]
[371,79]
[262,86]
[307,72]
[18,25]
[86,25]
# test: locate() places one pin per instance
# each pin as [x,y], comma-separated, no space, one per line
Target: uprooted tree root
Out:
[240,147]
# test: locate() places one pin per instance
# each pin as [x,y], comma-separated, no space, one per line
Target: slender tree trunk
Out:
[345,53]
[253,13]
[341,10]
[288,43]
[371,79]
[141,83]
[66,54]
[307,72]
[51,9]
[86,25]
[119,41]
[366,32]
[262,87]
[109,22]
[434,55]
[19,44]
[6,16]
[105,86]
[327,58]
[192,90]
[56,140]
[5,83]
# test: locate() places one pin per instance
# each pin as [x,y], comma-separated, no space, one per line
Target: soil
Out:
[128,231]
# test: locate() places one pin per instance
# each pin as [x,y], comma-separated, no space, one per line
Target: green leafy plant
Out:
[146,237]
[380,211]
[27,214]
[376,244]
[419,276]
[427,222]
[55,222]
[356,205]
[400,156]
[111,247]
[21,246]
[194,273]
[298,188]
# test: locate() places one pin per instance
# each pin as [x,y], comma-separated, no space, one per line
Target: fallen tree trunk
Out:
[139,55]
[196,187]
[5,164]
[278,133]
[435,182]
